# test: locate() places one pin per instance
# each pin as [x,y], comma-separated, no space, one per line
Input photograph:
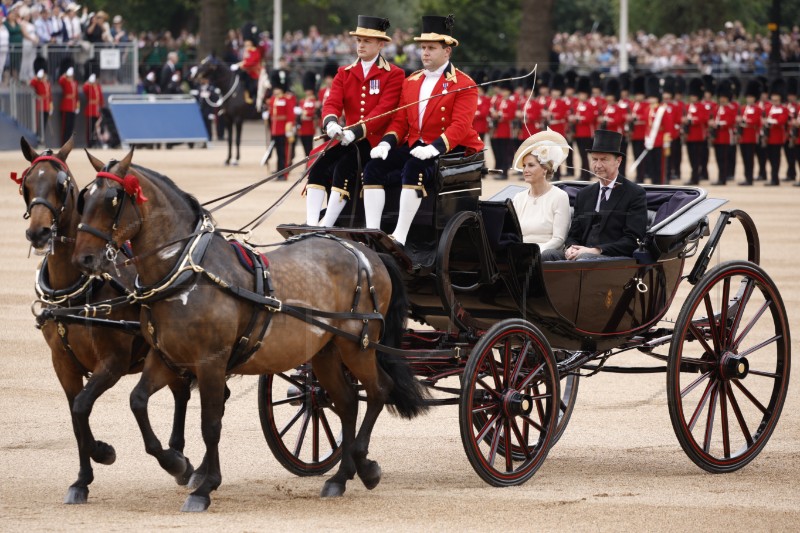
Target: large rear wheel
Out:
[509,401]
[728,367]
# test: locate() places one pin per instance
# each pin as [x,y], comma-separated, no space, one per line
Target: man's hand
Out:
[333,129]
[574,251]
[234,67]
[380,151]
[347,137]
[425,152]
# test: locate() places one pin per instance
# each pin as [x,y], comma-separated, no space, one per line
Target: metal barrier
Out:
[19,102]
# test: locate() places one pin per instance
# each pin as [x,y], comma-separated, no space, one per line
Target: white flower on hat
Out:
[547,146]
[550,152]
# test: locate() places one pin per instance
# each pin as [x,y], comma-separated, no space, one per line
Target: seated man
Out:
[610,217]
[438,106]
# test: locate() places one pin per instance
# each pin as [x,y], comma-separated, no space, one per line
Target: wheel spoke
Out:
[760,345]
[712,324]
[746,293]
[523,440]
[290,399]
[749,396]
[507,444]
[302,436]
[750,324]
[315,436]
[723,314]
[712,409]
[527,381]
[293,381]
[326,426]
[697,362]
[291,422]
[486,428]
[506,362]
[701,338]
[495,375]
[698,410]
[694,384]
[740,417]
[765,374]
[495,442]
[723,411]
[494,392]
[523,354]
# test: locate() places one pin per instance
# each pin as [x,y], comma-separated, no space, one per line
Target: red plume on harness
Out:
[130,183]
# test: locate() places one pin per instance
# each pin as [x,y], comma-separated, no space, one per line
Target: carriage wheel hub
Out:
[517,404]
[734,367]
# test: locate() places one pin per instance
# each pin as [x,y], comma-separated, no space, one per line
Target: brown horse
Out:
[210,316]
[101,351]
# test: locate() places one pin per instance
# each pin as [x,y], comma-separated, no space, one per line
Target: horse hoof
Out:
[104,454]
[331,489]
[183,479]
[370,475]
[235,162]
[195,480]
[196,504]
[227,163]
[76,495]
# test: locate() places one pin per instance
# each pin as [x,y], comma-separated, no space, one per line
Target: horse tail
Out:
[407,397]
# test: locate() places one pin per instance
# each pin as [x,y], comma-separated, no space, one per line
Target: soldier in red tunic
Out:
[637,124]
[659,128]
[44,101]
[481,121]
[724,123]
[70,105]
[750,127]
[584,122]
[777,120]
[437,121]
[558,113]
[250,66]
[503,114]
[614,116]
[367,88]
[280,113]
[790,148]
[695,126]
[94,103]
[309,106]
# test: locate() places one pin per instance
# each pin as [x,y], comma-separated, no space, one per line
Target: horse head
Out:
[110,214]
[47,186]
[209,68]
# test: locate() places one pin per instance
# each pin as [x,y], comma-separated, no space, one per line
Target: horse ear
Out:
[96,163]
[27,150]
[125,164]
[64,151]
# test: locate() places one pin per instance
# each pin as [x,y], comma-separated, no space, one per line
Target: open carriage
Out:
[517,333]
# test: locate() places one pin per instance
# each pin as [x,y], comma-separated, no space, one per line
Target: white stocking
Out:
[374,200]
[314,199]
[335,206]
[409,204]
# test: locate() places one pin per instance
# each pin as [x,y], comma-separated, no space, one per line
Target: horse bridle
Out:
[115,203]
[63,182]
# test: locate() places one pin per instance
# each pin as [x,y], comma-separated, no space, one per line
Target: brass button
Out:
[442,128]
[363,95]
[444,108]
[364,88]
[362,102]
[442,119]
[362,109]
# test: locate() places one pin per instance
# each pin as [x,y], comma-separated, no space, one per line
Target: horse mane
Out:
[193,202]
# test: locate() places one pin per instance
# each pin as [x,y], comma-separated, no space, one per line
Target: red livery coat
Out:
[777,131]
[447,121]
[725,122]
[697,117]
[751,124]
[69,100]
[94,99]
[504,112]
[360,98]
[44,95]
[308,108]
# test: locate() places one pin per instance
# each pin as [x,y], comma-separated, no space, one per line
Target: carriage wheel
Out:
[299,425]
[569,396]
[727,375]
[509,397]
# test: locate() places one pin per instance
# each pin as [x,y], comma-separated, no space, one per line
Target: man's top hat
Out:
[607,142]
[612,88]
[753,88]
[374,27]
[696,87]
[438,29]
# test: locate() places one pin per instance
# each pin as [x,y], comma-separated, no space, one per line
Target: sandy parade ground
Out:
[618,466]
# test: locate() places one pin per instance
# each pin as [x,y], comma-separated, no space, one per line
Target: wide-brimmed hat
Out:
[546,146]
[374,27]
[607,142]
[438,29]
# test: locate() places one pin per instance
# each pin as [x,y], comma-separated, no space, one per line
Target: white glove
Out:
[425,152]
[298,110]
[380,151]
[234,67]
[333,129]
[265,115]
[347,137]
[648,143]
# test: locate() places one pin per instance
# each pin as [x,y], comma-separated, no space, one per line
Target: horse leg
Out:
[211,381]
[377,385]
[72,383]
[328,368]
[229,133]
[181,392]
[156,376]
[238,141]
[200,472]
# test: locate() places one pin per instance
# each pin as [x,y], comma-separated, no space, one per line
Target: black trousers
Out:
[91,136]
[791,156]
[307,142]
[761,155]
[638,148]
[67,125]
[748,160]
[725,154]
[695,151]
[675,159]
[654,166]
[774,156]
[339,167]
[584,145]
[705,154]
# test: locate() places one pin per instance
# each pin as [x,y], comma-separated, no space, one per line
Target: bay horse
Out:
[232,104]
[100,351]
[209,315]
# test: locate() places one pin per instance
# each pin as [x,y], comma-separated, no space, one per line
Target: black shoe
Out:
[501,177]
[718,183]
[771,184]
[796,184]
[787,178]
[745,184]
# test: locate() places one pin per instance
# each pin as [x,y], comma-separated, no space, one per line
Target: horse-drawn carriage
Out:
[517,331]
[506,337]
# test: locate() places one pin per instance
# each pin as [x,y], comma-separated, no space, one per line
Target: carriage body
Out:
[490,304]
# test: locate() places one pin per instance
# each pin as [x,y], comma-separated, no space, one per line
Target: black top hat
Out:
[725,89]
[696,87]
[607,142]
[372,27]
[753,88]
[570,77]
[668,85]
[652,87]
[778,86]
[638,85]
[612,88]
[329,70]
[309,81]
[280,80]
[557,83]
[583,85]
[250,33]
[438,29]
[680,85]
[791,86]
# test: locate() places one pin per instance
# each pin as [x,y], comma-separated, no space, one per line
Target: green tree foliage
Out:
[684,16]
[584,15]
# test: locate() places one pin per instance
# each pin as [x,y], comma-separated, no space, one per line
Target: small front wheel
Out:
[510,400]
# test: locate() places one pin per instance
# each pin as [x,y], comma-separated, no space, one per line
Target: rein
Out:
[228,94]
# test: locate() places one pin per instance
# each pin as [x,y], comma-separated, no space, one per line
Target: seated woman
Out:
[543,210]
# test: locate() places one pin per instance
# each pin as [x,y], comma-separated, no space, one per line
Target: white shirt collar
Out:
[366,65]
[436,73]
